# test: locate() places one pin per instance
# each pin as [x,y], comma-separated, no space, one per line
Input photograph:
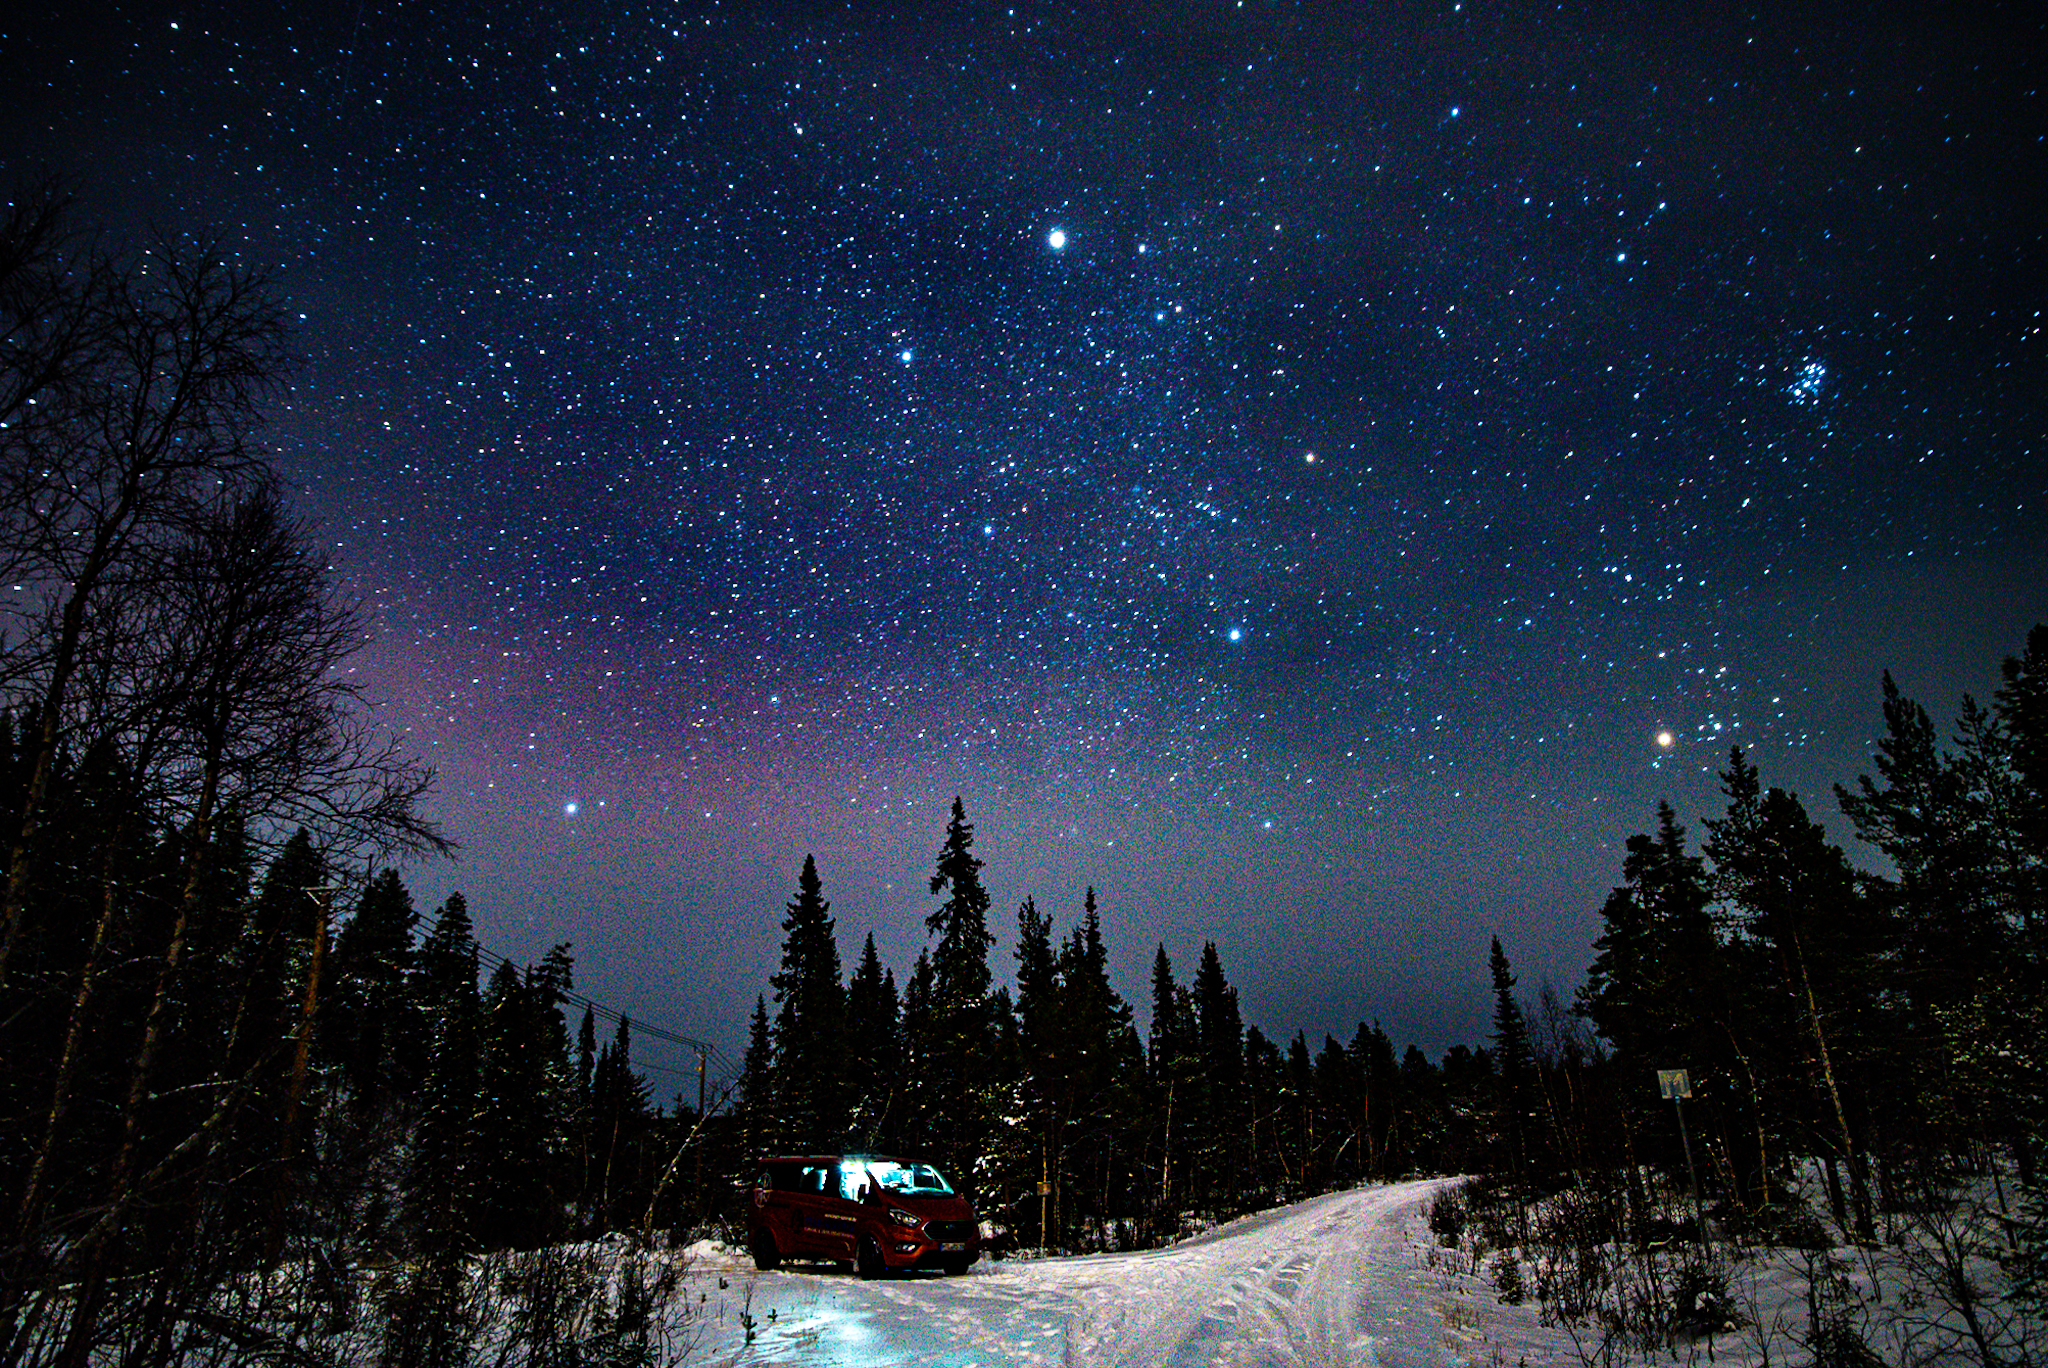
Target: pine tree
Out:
[1919,812]
[1811,1014]
[810,1025]
[2022,708]
[1645,989]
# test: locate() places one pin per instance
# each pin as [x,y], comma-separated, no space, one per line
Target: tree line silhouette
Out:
[1072,1129]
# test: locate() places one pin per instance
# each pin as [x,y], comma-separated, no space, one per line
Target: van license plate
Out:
[957,1247]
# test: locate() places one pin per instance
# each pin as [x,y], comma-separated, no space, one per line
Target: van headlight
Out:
[905,1218]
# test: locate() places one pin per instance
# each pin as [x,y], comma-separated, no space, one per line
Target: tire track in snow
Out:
[1328,1283]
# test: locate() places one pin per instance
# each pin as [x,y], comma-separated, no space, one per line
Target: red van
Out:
[881,1215]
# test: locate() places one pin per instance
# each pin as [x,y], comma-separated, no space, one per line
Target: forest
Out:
[257,1107]
[1865,1057]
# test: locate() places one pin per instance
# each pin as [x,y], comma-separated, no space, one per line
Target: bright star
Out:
[1665,739]
[569,809]
[1237,634]
[905,356]
[1057,239]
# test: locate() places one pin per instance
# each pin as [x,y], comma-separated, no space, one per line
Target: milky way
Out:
[1319,479]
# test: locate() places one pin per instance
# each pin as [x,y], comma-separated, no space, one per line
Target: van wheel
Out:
[766,1255]
[868,1260]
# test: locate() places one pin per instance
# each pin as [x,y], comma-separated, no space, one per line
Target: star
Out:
[1459,471]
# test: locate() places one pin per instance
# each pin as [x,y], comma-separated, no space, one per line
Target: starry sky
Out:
[1319,474]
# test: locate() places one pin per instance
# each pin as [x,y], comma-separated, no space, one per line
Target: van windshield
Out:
[907,1180]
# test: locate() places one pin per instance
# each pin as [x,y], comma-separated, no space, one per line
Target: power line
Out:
[704,1048]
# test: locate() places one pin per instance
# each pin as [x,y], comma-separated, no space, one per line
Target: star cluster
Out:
[1319,480]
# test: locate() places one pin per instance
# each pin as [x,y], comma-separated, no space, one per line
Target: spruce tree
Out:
[1513,1061]
[620,1117]
[1218,1121]
[810,1025]
[586,1054]
[1036,985]
[912,1122]
[521,1114]
[1172,1064]
[757,1085]
[273,963]
[874,1050]
[369,1023]
[443,1185]
[272,956]
[1037,1021]
[1379,1082]
[959,1028]
[1100,1062]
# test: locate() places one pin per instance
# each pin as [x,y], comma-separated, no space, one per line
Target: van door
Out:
[822,1219]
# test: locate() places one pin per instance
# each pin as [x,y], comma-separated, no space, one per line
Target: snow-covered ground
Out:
[1352,1278]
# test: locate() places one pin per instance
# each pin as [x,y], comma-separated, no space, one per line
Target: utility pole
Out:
[322,898]
[701,1047]
[1674,1084]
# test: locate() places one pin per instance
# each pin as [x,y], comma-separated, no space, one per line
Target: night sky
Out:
[1319,474]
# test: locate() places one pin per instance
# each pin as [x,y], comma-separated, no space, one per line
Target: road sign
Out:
[1673,1083]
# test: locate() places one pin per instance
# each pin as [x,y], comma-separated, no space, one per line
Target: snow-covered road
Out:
[1338,1280]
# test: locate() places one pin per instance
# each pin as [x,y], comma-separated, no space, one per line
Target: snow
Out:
[1351,1278]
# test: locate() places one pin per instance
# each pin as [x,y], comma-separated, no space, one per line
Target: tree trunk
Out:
[74,1035]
